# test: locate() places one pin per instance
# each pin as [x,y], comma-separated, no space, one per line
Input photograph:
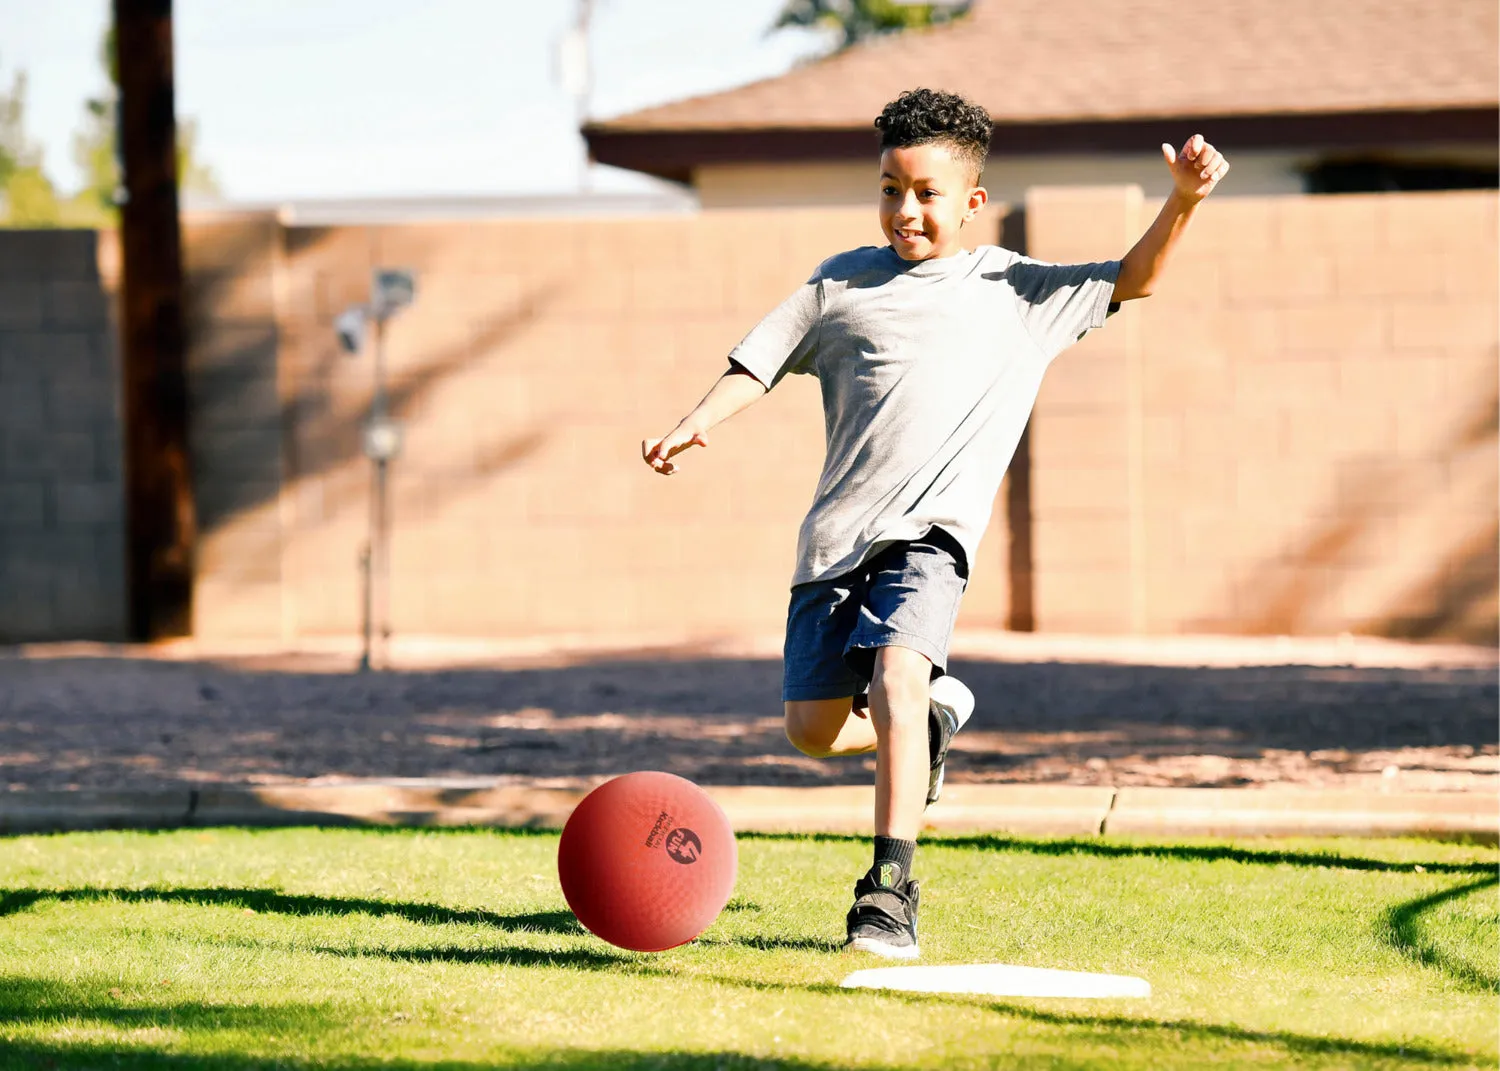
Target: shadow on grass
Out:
[48,1057]
[272,901]
[762,943]
[1207,853]
[1185,1030]
[501,956]
[24,1001]
[1399,927]
[32,1001]
[35,1000]
[309,1026]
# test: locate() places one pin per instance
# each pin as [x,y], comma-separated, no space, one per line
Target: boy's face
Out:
[926,197]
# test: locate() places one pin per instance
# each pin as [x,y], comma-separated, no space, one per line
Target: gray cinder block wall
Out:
[62,528]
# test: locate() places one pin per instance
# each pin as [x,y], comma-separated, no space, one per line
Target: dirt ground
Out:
[1101,715]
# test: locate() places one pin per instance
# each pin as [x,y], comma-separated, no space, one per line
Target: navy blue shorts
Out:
[905,596]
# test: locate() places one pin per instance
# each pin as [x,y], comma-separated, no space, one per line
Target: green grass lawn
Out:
[233,949]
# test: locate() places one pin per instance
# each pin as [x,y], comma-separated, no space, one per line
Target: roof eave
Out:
[674,154]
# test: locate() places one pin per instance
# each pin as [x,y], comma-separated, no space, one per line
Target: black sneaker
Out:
[883,919]
[950,704]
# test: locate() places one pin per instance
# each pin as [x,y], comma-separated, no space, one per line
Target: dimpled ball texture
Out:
[647,861]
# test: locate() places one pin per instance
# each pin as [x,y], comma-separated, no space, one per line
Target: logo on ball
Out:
[663,821]
[684,846]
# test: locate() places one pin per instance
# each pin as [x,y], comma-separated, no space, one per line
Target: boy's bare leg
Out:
[825,728]
[898,709]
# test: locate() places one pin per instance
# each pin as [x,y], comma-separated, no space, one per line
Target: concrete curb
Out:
[1055,810]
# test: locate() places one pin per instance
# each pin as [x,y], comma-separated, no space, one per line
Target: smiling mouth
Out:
[908,235]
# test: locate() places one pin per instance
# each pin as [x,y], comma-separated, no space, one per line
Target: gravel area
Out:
[105,721]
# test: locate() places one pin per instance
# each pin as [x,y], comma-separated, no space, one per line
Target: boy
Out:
[929,358]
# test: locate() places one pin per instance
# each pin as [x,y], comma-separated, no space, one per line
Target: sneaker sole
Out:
[880,948]
[935,792]
[935,789]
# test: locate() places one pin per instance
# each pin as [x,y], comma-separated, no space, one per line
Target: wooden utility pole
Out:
[161,520]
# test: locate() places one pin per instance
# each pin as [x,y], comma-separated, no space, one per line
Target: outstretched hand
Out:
[1196,168]
[659,454]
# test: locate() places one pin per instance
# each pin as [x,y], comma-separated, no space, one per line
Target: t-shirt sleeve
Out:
[786,341]
[1060,303]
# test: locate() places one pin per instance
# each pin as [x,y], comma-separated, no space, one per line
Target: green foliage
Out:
[856,20]
[94,153]
[29,199]
[14,146]
[193,175]
[94,145]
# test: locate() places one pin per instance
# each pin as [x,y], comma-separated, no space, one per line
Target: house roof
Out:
[1092,61]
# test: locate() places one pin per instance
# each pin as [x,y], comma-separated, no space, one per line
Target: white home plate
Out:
[999,980]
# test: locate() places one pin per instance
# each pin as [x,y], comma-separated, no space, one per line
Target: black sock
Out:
[900,852]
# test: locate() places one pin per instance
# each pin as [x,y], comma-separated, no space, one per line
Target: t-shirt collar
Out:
[935,266]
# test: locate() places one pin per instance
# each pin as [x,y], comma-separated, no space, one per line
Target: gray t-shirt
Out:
[929,370]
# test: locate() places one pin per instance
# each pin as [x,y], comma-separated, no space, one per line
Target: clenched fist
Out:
[1196,168]
[659,454]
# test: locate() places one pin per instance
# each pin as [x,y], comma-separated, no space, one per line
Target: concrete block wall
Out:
[62,532]
[238,424]
[537,357]
[1296,434]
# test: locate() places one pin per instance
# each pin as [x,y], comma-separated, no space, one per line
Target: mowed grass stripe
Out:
[352,948]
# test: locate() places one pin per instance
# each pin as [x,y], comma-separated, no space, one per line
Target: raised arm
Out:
[735,390]
[1196,170]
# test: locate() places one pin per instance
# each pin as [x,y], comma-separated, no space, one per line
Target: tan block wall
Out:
[238,425]
[538,355]
[1296,434]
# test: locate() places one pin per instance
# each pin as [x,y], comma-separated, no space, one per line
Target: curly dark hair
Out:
[921,116]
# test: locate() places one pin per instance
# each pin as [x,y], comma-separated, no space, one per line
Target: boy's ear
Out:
[978,198]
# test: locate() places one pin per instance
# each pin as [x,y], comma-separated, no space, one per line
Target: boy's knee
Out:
[903,677]
[812,726]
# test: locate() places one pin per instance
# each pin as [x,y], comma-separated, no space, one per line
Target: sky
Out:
[371,98]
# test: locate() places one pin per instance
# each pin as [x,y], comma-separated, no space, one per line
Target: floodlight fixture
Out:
[391,290]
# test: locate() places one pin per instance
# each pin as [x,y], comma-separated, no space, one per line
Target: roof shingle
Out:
[1033,61]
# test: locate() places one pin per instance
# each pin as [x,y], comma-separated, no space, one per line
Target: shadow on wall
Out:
[1455,599]
[267,409]
[1464,585]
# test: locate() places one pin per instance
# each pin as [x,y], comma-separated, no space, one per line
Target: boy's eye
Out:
[888,190]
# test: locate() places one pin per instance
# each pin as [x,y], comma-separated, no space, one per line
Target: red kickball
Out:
[647,861]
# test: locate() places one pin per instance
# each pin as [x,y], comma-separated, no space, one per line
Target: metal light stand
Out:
[391,291]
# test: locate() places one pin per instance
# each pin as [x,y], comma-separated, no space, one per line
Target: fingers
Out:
[658,453]
[1214,170]
[1199,159]
[1168,152]
[653,454]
